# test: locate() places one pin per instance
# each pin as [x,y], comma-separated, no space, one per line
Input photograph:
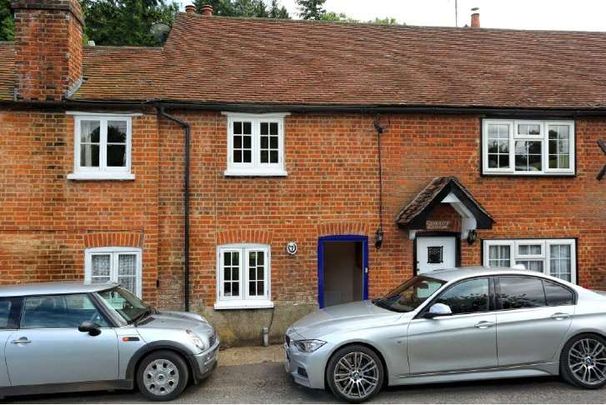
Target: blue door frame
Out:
[341,238]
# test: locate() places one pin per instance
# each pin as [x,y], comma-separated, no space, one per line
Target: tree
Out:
[244,8]
[334,17]
[7,25]
[311,9]
[126,22]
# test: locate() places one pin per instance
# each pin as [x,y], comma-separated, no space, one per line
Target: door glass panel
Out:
[435,254]
[466,297]
[520,292]
[59,311]
[557,295]
[5,312]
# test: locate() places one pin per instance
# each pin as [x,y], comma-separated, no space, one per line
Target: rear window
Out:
[520,292]
[557,295]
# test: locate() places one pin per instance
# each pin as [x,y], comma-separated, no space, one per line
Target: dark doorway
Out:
[342,270]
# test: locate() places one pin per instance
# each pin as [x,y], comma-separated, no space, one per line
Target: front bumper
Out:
[204,363]
[306,369]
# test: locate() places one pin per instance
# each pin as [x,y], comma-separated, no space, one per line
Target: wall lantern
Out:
[472,235]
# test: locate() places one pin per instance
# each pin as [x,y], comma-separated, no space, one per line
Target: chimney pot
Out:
[475,17]
[190,9]
[207,10]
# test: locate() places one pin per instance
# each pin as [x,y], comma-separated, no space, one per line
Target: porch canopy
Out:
[444,190]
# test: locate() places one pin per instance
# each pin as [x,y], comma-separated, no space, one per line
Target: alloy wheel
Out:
[161,377]
[356,375]
[587,361]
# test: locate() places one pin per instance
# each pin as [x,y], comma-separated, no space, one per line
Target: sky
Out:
[582,15]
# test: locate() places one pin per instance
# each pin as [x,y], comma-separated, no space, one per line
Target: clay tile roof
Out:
[268,61]
[414,214]
[7,70]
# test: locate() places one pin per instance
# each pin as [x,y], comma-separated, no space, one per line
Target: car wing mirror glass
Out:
[438,309]
[90,327]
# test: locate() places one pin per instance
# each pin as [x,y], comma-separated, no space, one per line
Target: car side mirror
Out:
[438,310]
[90,327]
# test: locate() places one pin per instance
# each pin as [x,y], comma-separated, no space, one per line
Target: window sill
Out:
[254,173]
[101,176]
[530,174]
[242,304]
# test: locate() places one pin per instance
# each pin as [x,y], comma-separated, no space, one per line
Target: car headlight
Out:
[308,345]
[195,339]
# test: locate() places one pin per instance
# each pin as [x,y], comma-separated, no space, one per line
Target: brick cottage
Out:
[253,169]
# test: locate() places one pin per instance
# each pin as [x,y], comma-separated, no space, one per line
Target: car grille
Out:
[287,340]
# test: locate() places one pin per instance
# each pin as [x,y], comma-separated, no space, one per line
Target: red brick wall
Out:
[46,221]
[332,188]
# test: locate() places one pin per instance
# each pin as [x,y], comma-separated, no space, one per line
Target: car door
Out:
[10,308]
[462,341]
[49,349]
[530,328]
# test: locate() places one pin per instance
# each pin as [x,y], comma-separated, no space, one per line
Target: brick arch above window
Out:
[244,236]
[121,239]
[343,228]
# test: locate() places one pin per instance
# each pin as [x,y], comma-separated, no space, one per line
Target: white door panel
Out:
[436,252]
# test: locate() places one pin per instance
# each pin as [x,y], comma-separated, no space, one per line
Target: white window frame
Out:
[103,172]
[256,168]
[243,301]
[113,275]
[544,256]
[514,136]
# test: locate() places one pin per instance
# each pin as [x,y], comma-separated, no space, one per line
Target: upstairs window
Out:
[255,145]
[102,147]
[555,257]
[527,148]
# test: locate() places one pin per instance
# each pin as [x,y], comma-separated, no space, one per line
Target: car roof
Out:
[458,273]
[64,287]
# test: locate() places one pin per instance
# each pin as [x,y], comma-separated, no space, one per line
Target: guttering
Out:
[311,108]
[186,197]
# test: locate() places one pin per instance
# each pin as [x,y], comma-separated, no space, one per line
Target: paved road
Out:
[267,383]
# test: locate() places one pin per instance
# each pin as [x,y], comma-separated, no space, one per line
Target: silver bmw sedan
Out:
[453,325]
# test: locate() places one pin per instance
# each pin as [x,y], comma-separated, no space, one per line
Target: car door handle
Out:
[560,316]
[21,341]
[484,325]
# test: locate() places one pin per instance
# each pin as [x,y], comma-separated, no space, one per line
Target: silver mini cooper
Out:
[60,337]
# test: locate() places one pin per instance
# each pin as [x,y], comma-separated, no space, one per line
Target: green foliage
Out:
[7,25]
[244,8]
[386,21]
[311,9]
[126,22]
[334,17]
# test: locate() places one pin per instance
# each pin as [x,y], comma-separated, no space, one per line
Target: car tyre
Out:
[355,373]
[162,376]
[583,361]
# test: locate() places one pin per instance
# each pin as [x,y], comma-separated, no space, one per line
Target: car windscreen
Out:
[408,296]
[125,303]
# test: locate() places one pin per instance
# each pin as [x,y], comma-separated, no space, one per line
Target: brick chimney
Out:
[475,17]
[207,10]
[48,48]
[190,9]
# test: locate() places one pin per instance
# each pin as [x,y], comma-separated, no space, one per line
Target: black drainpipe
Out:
[186,146]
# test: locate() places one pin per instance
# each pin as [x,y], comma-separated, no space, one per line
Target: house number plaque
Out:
[437,225]
[291,248]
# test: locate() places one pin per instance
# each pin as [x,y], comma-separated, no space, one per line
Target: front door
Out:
[49,349]
[436,252]
[342,269]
